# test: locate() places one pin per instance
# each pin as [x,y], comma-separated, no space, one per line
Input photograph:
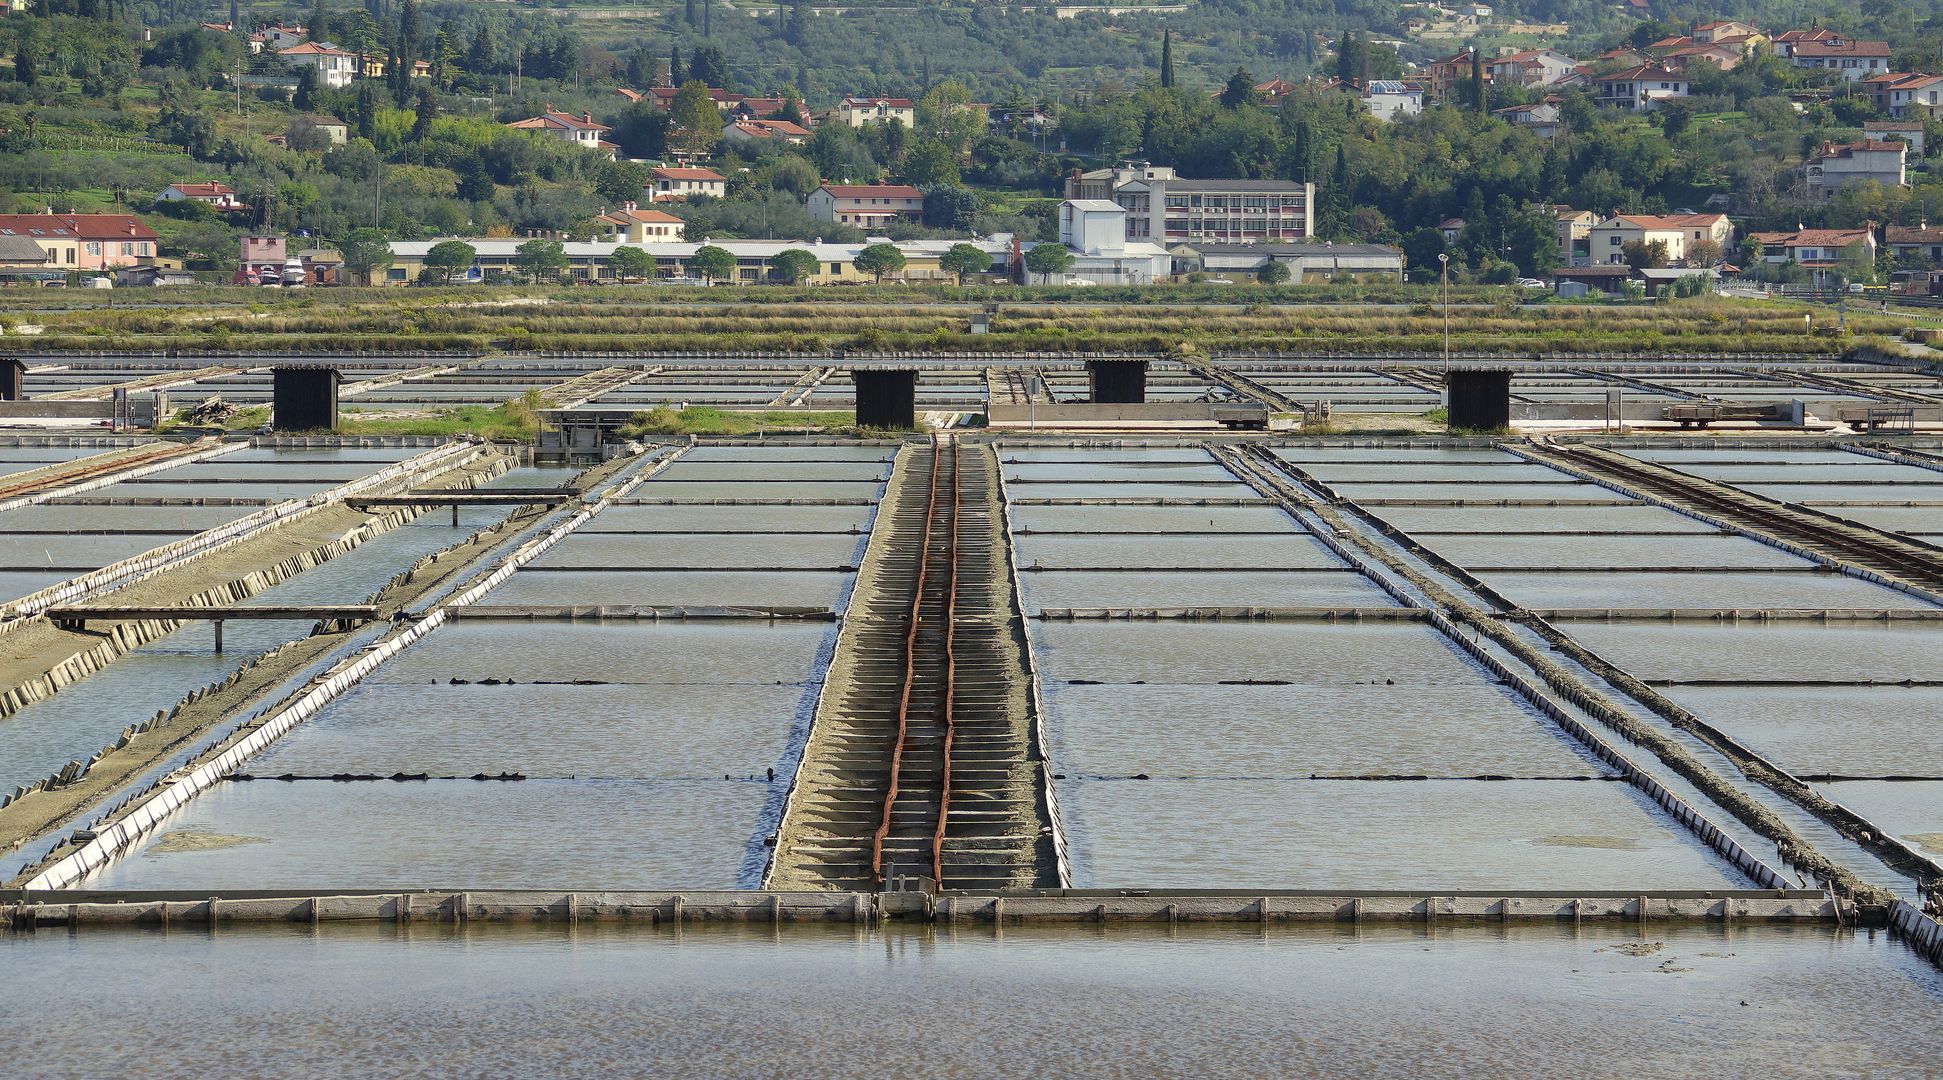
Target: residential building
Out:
[1170,209]
[664,96]
[1914,244]
[633,225]
[865,205]
[20,256]
[284,37]
[1452,228]
[260,258]
[1905,94]
[1574,235]
[673,184]
[337,131]
[1729,31]
[1723,56]
[1532,67]
[1543,119]
[84,241]
[1820,251]
[1387,99]
[1852,60]
[335,67]
[1786,41]
[1274,91]
[1852,163]
[214,194]
[1908,131]
[579,130]
[1312,263]
[1095,231]
[1606,241]
[1446,75]
[766,131]
[1641,88]
[858,111]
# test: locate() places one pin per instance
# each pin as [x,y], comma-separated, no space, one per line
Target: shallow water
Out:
[1756,651]
[1331,834]
[1779,589]
[651,588]
[1240,553]
[1326,588]
[1124,1003]
[1911,810]
[589,834]
[1829,729]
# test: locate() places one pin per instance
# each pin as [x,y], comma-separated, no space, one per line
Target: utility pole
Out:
[1444,263]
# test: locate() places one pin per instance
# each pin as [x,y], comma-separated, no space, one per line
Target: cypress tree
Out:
[674,65]
[1478,98]
[1166,58]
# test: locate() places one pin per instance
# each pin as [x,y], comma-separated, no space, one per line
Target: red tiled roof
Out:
[1672,221]
[1643,71]
[85,226]
[1853,48]
[686,174]
[551,118]
[208,190]
[887,102]
[1914,234]
[1813,237]
[868,191]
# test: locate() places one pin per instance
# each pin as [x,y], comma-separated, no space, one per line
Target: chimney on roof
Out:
[586,117]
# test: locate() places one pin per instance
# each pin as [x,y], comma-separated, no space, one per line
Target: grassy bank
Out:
[701,420]
[809,323]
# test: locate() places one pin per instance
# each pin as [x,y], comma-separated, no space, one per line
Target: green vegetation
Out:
[700,420]
[816,322]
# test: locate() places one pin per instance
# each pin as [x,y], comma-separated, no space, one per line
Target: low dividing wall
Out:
[81,909]
[169,793]
[222,536]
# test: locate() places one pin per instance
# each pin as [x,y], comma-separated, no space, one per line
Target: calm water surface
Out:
[815,1002]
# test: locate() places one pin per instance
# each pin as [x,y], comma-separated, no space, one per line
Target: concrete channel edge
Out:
[100,846]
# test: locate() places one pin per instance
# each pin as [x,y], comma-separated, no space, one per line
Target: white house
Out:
[579,130]
[865,205]
[1606,241]
[1387,99]
[1641,88]
[335,67]
[858,111]
[1852,60]
[672,184]
[1853,163]
[1818,250]
[1531,67]
[633,225]
[214,194]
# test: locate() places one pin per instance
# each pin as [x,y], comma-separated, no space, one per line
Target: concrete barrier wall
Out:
[1041,745]
[1722,842]
[150,562]
[124,637]
[668,908]
[1088,412]
[174,790]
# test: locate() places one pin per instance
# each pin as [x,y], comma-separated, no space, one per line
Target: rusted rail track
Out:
[921,770]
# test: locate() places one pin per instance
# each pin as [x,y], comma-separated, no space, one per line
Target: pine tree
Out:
[1167,58]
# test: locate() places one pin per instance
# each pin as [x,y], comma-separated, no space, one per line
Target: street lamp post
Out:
[1444,266]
